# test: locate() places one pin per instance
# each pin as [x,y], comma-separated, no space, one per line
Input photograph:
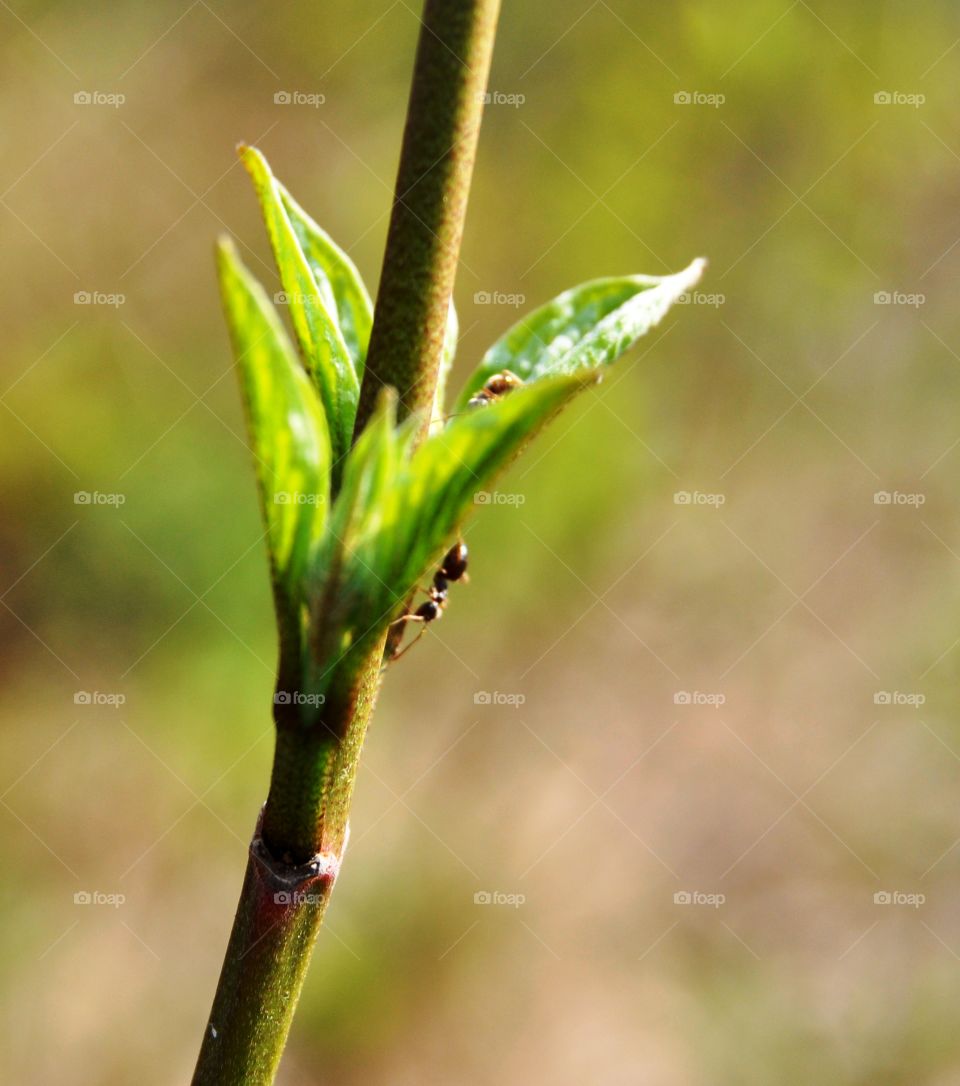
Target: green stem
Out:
[315,767]
[291,868]
[426,224]
[299,842]
[281,908]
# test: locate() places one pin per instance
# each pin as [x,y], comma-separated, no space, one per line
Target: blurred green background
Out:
[761,890]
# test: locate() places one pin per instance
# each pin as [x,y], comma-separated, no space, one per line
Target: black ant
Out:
[452,568]
[454,564]
[496,386]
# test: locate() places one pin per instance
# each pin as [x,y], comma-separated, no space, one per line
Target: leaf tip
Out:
[254,161]
[692,274]
[225,251]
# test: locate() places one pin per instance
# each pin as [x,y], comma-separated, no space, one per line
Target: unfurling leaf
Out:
[288,431]
[588,326]
[436,489]
[396,513]
[325,350]
[342,575]
[341,286]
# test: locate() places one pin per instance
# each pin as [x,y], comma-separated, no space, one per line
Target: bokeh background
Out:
[725,812]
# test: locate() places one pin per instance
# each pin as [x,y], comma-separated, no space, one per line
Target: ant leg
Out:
[423,629]
[405,618]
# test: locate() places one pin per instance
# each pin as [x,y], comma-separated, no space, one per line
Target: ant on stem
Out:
[452,568]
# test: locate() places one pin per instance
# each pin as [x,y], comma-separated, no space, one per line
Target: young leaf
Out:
[327,357]
[369,473]
[423,500]
[288,429]
[343,607]
[341,287]
[588,326]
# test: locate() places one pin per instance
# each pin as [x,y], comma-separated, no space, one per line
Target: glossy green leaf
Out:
[343,589]
[439,485]
[396,514]
[370,472]
[287,426]
[341,286]
[325,351]
[583,328]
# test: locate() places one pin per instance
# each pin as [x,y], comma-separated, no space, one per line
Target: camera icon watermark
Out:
[697,497]
[899,98]
[698,897]
[899,497]
[295,297]
[699,98]
[899,297]
[98,897]
[498,897]
[98,98]
[899,897]
[298,98]
[899,697]
[699,697]
[499,297]
[501,98]
[96,497]
[99,697]
[699,297]
[498,697]
[498,497]
[298,697]
[296,897]
[295,497]
[98,297]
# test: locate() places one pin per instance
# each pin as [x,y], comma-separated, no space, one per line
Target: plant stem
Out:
[314,766]
[281,907]
[288,882]
[433,182]
[297,847]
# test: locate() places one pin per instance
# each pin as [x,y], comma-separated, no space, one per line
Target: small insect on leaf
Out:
[454,565]
[496,386]
[452,568]
[583,328]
